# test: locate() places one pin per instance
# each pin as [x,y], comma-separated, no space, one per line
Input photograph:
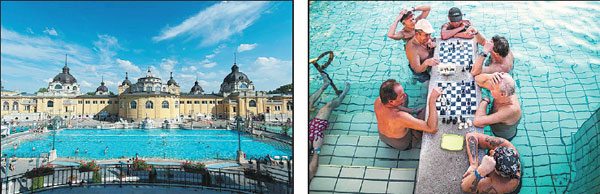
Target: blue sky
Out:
[192,39]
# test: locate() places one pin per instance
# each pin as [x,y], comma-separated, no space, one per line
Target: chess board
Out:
[457,98]
[459,52]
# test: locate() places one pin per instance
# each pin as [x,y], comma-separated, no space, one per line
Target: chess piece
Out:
[470,123]
[454,120]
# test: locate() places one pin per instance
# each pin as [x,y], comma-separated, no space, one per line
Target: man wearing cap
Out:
[456,27]
[501,58]
[419,50]
[406,17]
[398,128]
[497,172]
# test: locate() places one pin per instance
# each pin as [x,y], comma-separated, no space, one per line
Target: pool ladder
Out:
[321,68]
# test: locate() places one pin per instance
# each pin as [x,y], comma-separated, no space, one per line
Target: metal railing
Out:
[222,180]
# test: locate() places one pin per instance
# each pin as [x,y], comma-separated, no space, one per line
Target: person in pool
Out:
[398,128]
[320,122]
[419,51]
[497,172]
[501,58]
[406,17]
[456,27]
[505,113]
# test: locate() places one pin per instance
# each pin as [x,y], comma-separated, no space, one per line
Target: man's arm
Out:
[425,11]
[447,34]
[472,149]
[392,31]
[484,81]
[478,65]
[415,61]
[431,126]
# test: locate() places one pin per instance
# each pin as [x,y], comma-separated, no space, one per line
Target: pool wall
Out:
[585,175]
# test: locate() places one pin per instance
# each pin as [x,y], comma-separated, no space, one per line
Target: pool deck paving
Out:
[440,171]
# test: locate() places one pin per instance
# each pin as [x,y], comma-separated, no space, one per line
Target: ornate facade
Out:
[150,97]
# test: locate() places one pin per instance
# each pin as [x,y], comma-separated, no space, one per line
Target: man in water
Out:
[397,128]
[498,172]
[419,51]
[505,113]
[456,27]
[501,58]
[406,17]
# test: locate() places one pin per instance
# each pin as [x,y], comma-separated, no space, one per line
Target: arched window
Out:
[68,87]
[165,104]
[149,104]
[5,106]
[50,103]
[133,105]
[58,87]
[252,103]
[290,106]
[149,89]
[244,86]
[268,109]
[74,87]
[157,88]
[15,106]
[164,89]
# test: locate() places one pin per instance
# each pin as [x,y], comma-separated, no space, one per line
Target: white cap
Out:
[424,25]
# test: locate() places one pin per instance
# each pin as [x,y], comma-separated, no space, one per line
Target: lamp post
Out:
[6,171]
[239,128]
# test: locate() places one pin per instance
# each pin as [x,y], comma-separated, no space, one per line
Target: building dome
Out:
[65,77]
[102,88]
[126,81]
[235,76]
[171,81]
[196,89]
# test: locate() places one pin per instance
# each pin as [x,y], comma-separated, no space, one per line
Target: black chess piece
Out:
[454,121]
[443,120]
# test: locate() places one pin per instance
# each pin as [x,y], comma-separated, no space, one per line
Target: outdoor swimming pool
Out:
[556,69]
[199,145]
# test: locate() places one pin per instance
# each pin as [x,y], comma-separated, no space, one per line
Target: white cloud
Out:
[216,23]
[246,47]
[50,32]
[167,65]
[209,65]
[210,56]
[128,66]
[190,68]
[106,46]
[48,80]
[85,84]
[269,73]
[30,31]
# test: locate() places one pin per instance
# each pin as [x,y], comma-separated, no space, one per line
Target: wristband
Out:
[477,175]
[488,101]
[482,54]
[318,151]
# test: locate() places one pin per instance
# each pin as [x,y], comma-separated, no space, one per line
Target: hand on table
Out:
[431,62]
[436,92]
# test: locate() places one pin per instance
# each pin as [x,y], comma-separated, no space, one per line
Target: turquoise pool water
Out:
[198,145]
[556,68]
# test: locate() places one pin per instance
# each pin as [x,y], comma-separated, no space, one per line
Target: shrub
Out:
[40,171]
[96,178]
[140,165]
[194,168]
[38,183]
[88,166]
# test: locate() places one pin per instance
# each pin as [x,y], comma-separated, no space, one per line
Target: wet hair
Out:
[500,45]
[507,162]
[386,91]
[508,87]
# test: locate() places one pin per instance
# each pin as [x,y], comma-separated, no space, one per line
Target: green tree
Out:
[90,93]
[283,89]
[41,90]
[111,93]
[96,178]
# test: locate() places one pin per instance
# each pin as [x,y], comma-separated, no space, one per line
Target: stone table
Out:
[440,171]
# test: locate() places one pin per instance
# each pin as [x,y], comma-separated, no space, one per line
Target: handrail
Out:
[231,180]
[321,68]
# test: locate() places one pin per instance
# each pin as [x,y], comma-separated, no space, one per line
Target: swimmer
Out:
[86,150]
[77,151]
[50,144]
[164,142]
[33,149]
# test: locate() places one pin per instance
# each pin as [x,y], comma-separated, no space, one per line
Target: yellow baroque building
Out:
[150,98]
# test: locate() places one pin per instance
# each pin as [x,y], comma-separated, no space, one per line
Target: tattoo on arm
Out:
[474,185]
[473,145]
[490,190]
[494,141]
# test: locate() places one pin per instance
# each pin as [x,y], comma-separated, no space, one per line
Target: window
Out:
[244,86]
[58,87]
[87,102]
[157,89]
[277,107]
[27,107]
[15,106]
[50,103]
[212,102]
[5,106]
[102,102]
[165,104]
[133,105]
[220,102]
[80,102]
[290,106]
[74,87]
[109,102]
[234,109]
[176,104]
[66,110]
[148,89]
[197,102]
[189,102]
[122,105]
[116,102]
[268,109]
[204,102]
[252,103]
[149,105]
[95,102]
[181,102]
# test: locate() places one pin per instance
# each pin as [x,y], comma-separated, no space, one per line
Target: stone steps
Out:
[363,179]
